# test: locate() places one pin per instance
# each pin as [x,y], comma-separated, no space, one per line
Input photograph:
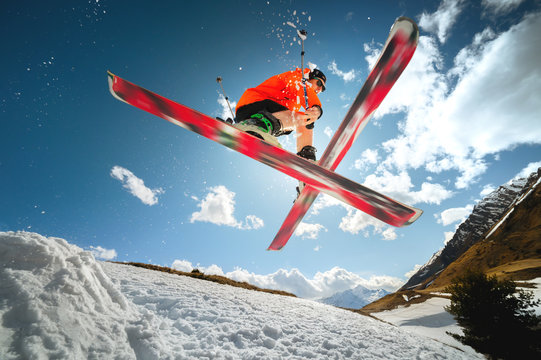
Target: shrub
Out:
[496,319]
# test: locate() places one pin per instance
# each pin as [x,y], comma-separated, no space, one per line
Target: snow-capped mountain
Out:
[486,214]
[354,298]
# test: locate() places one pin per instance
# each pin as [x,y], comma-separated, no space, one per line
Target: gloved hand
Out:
[313,114]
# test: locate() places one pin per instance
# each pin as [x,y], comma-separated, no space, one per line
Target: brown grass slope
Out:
[199,275]
[513,251]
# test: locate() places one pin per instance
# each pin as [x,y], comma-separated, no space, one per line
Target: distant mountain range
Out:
[354,298]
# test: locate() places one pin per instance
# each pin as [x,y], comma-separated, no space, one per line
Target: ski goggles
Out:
[321,84]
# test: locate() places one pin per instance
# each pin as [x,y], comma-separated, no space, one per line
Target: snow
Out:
[354,298]
[499,223]
[536,292]
[57,301]
[428,319]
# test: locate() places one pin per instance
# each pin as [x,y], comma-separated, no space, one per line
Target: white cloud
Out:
[454,215]
[412,272]
[500,7]
[346,76]
[441,22]
[136,186]
[324,201]
[212,270]
[218,207]
[357,221]
[448,236]
[368,157]
[399,187]
[487,189]
[528,170]
[187,266]
[102,253]
[328,131]
[321,285]
[309,231]
[225,112]
[485,104]
[182,265]
[389,234]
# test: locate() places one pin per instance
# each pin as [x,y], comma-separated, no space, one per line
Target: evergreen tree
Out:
[496,319]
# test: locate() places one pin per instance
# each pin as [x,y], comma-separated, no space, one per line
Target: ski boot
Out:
[262,125]
[228,120]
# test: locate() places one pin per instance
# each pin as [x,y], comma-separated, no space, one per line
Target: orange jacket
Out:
[285,89]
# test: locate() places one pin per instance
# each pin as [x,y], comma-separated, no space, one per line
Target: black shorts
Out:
[244,112]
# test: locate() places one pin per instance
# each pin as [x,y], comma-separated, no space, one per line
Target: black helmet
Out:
[318,74]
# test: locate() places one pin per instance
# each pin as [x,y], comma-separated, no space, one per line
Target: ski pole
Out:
[302,35]
[219,80]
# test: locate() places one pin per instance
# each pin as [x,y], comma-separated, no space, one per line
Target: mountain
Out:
[354,298]
[486,215]
[501,237]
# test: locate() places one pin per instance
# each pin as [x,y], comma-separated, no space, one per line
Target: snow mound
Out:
[57,301]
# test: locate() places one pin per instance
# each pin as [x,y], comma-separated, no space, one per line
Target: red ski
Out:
[324,180]
[394,58]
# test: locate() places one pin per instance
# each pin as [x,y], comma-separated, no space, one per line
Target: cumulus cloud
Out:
[441,22]
[368,157]
[182,265]
[346,76]
[323,284]
[400,187]
[355,221]
[187,266]
[136,186]
[458,117]
[218,208]
[448,235]
[328,131]
[102,253]
[309,231]
[389,234]
[413,271]
[454,215]
[487,189]
[528,170]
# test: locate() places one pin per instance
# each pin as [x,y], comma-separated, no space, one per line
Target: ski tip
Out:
[417,215]
[111,80]
[405,21]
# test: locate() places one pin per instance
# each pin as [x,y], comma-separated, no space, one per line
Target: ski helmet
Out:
[318,74]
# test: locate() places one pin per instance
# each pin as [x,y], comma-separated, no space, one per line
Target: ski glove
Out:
[311,126]
[308,152]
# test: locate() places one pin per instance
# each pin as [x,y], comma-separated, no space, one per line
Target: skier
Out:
[272,108]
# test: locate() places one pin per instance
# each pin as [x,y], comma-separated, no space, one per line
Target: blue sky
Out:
[75,163]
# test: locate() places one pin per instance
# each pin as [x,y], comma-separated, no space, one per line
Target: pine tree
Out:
[496,319]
